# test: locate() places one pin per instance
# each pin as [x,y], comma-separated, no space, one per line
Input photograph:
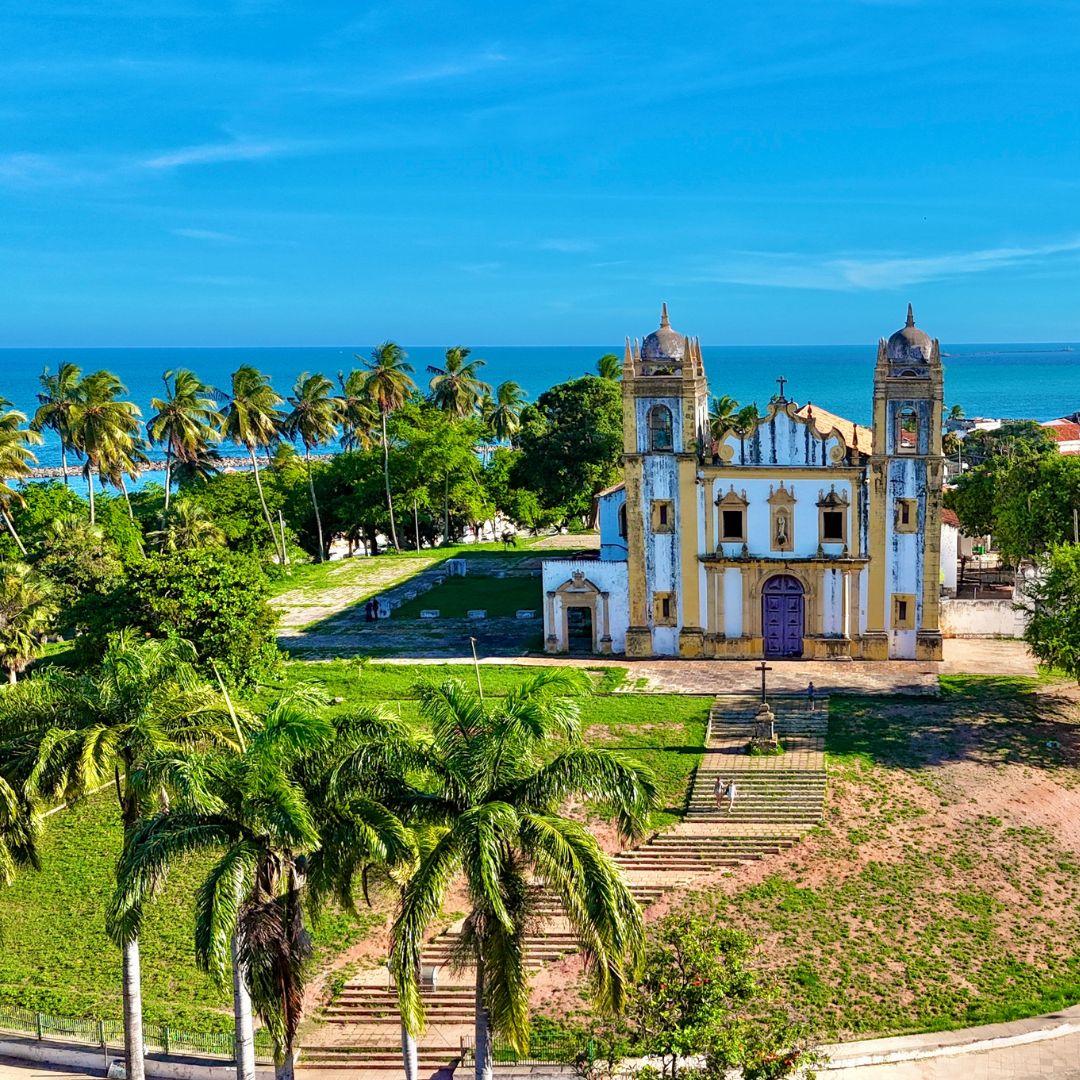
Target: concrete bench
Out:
[429,613]
[478,613]
[525,613]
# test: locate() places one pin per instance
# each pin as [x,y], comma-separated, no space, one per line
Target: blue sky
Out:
[273,173]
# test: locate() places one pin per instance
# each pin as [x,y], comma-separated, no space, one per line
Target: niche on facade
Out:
[781,518]
[907,515]
[663,516]
[732,507]
[832,517]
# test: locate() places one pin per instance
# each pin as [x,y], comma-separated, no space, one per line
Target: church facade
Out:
[802,536]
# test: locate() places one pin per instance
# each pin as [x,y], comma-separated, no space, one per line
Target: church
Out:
[806,536]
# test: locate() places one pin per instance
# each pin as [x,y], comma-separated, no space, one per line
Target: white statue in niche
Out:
[781,528]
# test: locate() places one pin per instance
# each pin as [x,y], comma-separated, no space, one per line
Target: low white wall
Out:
[980,618]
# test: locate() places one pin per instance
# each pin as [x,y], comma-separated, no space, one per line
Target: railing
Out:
[107,1033]
[545,1048]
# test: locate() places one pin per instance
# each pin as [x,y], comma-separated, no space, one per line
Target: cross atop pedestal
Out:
[783,382]
[763,667]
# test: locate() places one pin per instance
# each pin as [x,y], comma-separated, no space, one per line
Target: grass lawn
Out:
[943,889]
[455,597]
[56,957]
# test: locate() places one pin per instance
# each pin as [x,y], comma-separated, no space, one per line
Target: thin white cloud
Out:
[846,272]
[212,153]
[210,235]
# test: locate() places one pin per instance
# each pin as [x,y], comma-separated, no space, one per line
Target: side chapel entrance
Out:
[782,616]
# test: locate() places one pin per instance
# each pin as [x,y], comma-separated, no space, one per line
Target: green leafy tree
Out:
[388,385]
[143,702]
[495,775]
[284,839]
[455,387]
[571,445]
[82,567]
[103,427]
[184,526]
[358,415]
[1052,605]
[609,367]
[16,460]
[235,504]
[57,398]
[186,422]
[1021,438]
[26,615]
[313,420]
[251,421]
[504,411]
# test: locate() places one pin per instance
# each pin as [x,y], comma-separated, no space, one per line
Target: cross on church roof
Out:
[783,382]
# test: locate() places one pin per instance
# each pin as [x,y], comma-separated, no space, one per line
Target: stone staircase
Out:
[777,799]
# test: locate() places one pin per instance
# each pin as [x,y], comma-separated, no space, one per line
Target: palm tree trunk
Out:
[314,502]
[168,476]
[285,1068]
[485,1069]
[134,1051]
[90,487]
[386,476]
[11,529]
[63,460]
[12,676]
[409,1057]
[446,510]
[127,499]
[243,1025]
[265,508]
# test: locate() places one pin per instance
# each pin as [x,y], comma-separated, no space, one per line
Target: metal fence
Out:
[545,1048]
[105,1033]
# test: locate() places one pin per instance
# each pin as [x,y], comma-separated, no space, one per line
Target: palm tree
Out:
[16,460]
[59,394]
[26,614]
[20,826]
[722,415]
[743,424]
[495,775]
[504,415]
[359,417]
[285,838]
[102,425]
[388,384]
[455,388]
[185,526]
[314,420]
[142,703]
[609,367]
[956,412]
[251,421]
[124,457]
[186,421]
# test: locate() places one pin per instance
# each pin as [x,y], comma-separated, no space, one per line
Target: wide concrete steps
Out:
[793,715]
[360,1062]
[374,1004]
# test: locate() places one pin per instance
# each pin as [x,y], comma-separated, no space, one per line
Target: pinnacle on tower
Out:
[664,315]
[910,316]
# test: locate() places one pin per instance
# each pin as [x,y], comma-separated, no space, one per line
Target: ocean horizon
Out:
[1033,380]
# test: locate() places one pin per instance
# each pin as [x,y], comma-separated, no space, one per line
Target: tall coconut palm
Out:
[722,414]
[58,395]
[495,777]
[26,614]
[284,840]
[359,417]
[186,421]
[313,419]
[455,387]
[16,460]
[102,424]
[388,384]
[20,827]
[186,526]
[124,457]
[609,367]
[504,414]
[251,421]
[143,702]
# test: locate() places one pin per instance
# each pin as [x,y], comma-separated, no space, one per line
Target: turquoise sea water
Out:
[1040,381]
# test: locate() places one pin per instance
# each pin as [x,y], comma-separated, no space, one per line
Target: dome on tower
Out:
[664,345]
[909,343]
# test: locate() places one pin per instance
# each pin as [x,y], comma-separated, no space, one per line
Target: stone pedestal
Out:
[764,738]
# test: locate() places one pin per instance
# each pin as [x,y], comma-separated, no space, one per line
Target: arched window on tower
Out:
[660,428]
[907,431]
[622,521]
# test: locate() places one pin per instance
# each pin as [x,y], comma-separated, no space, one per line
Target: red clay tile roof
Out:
[610,490]
[948,517]
[1063,430]
[855,436]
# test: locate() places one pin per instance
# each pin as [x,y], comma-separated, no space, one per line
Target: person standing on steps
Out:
[719,788]
[730,792]
[810,697]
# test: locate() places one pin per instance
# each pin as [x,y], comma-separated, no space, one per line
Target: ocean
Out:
[1037,381]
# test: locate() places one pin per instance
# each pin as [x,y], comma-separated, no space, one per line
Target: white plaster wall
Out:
[608,576]
[782,441]
[950,542]
[980,618]
[805,513]
[733,594]
[904,551]
[612,545]
[660,480]
[832,600]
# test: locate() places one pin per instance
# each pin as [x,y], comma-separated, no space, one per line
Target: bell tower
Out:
[906,474]
[665,418]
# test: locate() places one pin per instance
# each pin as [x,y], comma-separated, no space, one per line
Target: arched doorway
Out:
[782,616]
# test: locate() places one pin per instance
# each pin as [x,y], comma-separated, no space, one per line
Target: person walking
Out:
[811,697]
[730,792]
[718,792]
